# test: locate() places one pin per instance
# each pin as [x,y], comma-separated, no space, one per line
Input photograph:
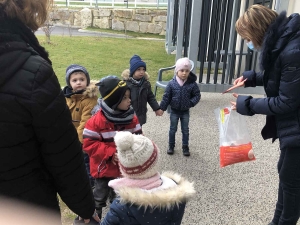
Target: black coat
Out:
[141,95]
[280,76]
[40,152]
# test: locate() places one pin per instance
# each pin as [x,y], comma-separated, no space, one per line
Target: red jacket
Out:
[99,144]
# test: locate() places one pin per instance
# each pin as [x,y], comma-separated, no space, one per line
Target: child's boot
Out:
[171,149]
[185,150]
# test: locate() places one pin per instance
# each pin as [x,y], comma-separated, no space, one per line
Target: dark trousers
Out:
[287,210]
[87,167]
[102,192]
[184,117]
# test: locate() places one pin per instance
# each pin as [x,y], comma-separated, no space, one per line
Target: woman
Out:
[277,37]
[40,152]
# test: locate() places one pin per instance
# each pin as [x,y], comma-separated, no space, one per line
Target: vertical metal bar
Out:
[180,30]
[228,25]
[220,39]
[212,37]
[169,26]
[194,31]
[232,47]
[203,38]
[175,22]
[241,47]
[186,31]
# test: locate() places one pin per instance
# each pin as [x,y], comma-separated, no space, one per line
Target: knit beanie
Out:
[183,63]
[112,90]
[74,68]
[137,154]
[135,63]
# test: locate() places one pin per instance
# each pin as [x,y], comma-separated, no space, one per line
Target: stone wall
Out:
[137,20]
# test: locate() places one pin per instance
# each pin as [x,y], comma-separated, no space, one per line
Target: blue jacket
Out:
[280,63]
[163,206]
[181,98]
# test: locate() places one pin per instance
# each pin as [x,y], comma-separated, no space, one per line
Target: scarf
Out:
[180,81]
[117,116]
[15,30]
[147,184]
[137,82]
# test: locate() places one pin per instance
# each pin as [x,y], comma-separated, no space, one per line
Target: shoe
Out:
[271,223]
[185,150]
[78,221]
[171,150]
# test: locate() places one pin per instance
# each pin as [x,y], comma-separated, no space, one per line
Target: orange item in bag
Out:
[235,154]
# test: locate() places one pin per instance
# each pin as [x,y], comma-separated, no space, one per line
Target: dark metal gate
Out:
[204,31]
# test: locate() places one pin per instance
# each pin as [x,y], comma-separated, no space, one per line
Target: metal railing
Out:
[204,31]
[113,3]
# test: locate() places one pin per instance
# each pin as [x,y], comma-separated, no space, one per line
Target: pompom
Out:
[123,140]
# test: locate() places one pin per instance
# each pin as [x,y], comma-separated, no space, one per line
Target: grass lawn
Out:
[103,56]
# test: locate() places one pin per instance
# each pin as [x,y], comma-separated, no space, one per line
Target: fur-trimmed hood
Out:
[126,74]
[90,91]
[159,198]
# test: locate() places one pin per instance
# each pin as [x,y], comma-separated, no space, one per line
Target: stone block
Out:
[123,13]
[144,27]
[143,18]
[104,23]
[160,18]
[117,25]
[132,26]
[142,11]
[154,28]
[86,17]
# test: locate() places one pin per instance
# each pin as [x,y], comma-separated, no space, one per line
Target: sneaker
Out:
[185,150]
[170,150]
[81,221]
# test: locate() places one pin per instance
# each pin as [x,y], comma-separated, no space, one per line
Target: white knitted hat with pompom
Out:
[138,155]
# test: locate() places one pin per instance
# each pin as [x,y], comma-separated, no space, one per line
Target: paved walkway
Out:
[239,194]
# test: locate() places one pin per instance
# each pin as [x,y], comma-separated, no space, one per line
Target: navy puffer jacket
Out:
[181,98]
[280,63]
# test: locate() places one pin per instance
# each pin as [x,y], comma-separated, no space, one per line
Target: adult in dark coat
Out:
[278,39]
[41,155]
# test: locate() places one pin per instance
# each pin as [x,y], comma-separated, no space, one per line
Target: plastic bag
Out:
[235,142]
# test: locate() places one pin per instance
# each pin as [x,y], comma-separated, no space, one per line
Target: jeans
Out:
[87,167]
[184,117]
[102,192]
[288,203]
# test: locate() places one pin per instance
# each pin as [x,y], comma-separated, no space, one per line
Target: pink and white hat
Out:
[183,63]
[138,155]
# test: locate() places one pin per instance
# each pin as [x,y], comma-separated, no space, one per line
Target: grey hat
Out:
[73,68]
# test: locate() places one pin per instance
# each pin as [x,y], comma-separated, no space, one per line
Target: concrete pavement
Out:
[239,194]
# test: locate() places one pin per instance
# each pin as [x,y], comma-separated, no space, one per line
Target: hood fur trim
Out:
[162,199]
[92,90]
[126,74]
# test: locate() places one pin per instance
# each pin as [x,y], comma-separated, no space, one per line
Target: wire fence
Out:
[112,3]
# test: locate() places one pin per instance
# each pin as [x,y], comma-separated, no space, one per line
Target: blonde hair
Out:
[253,24]
[33,13]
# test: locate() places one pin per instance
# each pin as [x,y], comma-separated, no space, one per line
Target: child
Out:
[137,80]
[115,114]
[145,196]
[81,97]
[181,94]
